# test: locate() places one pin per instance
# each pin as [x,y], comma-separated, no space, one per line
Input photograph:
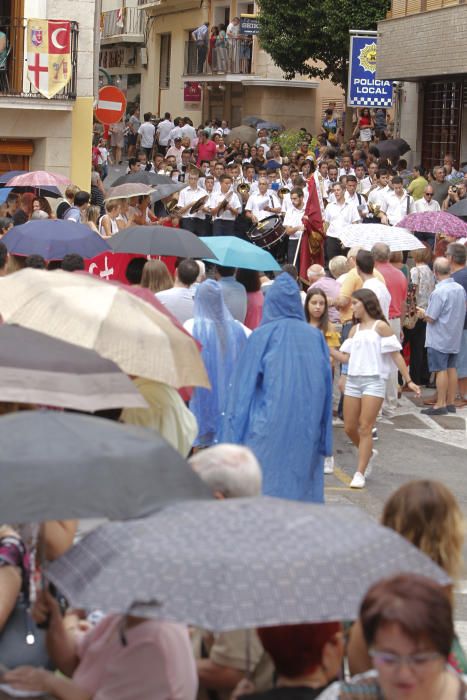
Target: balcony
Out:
[403,8]
[14,80]
[228,63]
[123,26]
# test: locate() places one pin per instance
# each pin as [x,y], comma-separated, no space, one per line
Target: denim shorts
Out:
[358,386]
[440,361]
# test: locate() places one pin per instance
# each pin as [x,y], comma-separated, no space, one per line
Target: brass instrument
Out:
[374,209]
[282,191]
[196,206]
[243,187]
[172,206]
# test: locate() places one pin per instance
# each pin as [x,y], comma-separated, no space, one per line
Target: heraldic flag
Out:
[49,55]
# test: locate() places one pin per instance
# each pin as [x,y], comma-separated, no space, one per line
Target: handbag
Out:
[21,641]
[410,317]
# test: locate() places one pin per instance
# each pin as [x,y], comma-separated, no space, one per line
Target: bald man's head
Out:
[442,267]
[314,273]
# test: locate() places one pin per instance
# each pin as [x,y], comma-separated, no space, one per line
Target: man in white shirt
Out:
[189,130]
[179,300]
[377,199]
[146,134]
[163,131]
[176,132]
[346,166]
[263,203]
[176,150]
[365,264]
[322,184]
[399,202]
[354,197]
[293,223]
[196,221]
[337,216]
[427,203]
[369,181]
[360,175]
[224,207]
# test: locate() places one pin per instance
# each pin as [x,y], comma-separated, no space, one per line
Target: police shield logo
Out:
[367,58]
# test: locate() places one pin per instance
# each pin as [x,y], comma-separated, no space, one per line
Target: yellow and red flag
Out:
[49,54]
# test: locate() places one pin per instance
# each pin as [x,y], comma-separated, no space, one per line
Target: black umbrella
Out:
[145,178]
[163,191]
[38,369]
[251,121]
[459,208]
[160,240]
[392,148]
[58,466]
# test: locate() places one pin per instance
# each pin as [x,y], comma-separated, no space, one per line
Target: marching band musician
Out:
[322,184]
[249,177]
[263,203]
[224,207]
[196,221]
[297,181]
[293,222]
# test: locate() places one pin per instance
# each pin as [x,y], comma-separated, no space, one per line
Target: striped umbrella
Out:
[366,235]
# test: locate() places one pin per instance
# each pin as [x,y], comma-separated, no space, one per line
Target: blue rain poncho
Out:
[281,400]
[222,341]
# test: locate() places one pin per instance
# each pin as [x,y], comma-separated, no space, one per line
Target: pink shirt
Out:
[332,289]
[157,663]
[254,309]
[206,151]
[396,282]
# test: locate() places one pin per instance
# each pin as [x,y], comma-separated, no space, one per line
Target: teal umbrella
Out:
[235,252]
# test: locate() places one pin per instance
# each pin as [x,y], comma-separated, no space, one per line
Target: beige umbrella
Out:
[87,311]
[127,190]
[244,133]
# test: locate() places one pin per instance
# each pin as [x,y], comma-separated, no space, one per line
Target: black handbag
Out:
[21,641]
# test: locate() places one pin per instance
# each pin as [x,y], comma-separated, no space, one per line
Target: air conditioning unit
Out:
[143,54]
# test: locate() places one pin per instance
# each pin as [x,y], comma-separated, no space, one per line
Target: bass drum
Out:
[267,233]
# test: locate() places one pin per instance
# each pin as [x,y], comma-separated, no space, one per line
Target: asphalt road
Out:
[411,446]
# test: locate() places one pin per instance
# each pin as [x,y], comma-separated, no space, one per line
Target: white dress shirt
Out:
[398,207]
[257,203]
[226,215]
[338,216]
[189,196]
[378,197]
[163,131]
[424,205]
[293,218]
[175,133]
[382,293]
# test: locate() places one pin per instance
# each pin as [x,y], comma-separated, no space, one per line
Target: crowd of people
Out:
[287,355]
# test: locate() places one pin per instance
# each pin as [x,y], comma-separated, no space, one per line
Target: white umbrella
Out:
[366,235]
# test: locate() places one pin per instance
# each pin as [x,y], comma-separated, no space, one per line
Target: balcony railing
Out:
[13,65]
[402,8]
[234,58]
[126,24]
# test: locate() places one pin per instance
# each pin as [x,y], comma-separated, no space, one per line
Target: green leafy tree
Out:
[298,32]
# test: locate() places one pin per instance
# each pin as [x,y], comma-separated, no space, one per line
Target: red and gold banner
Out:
[49,54]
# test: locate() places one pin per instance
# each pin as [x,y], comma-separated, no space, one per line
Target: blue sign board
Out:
[364,89]
[249,25]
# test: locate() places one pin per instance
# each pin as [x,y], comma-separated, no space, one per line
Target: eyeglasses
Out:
[387,661]
[428,194]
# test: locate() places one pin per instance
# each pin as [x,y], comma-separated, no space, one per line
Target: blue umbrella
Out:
[270,126]
[54,239]
[4,177]
[234,252]
[4,192]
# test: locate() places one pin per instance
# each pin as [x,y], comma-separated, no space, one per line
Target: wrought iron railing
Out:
[13,62]
[233,58]
[127,21]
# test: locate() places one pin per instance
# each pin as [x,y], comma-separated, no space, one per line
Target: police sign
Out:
[364,89]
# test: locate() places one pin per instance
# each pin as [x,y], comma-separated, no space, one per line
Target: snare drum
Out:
[267,233]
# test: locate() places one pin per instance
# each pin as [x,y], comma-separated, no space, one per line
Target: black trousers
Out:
[332,247]
[198,226]
[221,227]
[419,371]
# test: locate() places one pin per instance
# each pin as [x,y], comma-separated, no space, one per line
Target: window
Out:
[442,114]
[164,63]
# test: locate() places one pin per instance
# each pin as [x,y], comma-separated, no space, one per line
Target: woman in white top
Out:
[371,351]
[108,223]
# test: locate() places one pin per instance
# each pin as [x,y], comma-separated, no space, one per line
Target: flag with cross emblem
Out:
[49,55]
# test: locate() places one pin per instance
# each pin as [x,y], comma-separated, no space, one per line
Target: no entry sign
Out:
[111,105]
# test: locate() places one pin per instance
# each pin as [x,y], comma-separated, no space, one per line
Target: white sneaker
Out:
[329,465]
[369,469]
[358,481]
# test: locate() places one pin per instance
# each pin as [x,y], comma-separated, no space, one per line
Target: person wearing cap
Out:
[176,150]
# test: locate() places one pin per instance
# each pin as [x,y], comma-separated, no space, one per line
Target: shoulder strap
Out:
[408,205]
